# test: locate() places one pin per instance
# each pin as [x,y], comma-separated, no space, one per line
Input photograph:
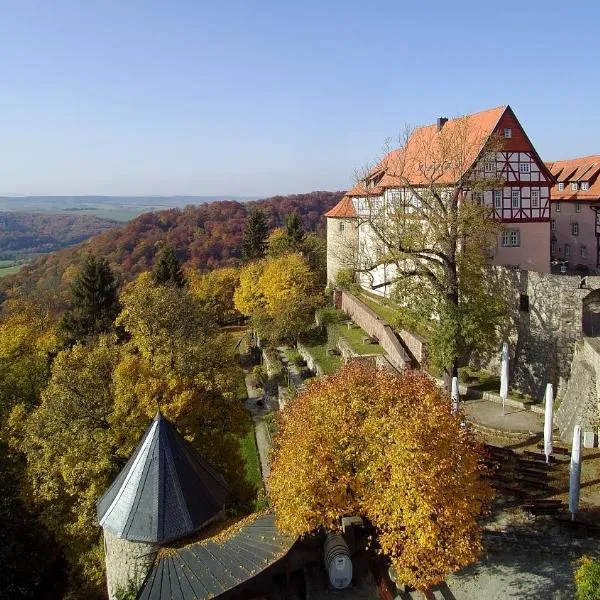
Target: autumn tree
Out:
[28,343]
[71,452]
[167,270]
[425,234]
[99,399]
[312,247]
[177,359]
[255,235]
[280,295]
[214,293]
[94,301]
[384,446]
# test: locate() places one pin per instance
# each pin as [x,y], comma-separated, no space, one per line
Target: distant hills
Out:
[23,235]
[205,236]
[119,208]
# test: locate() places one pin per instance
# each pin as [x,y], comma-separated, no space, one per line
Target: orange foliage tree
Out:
[367,442]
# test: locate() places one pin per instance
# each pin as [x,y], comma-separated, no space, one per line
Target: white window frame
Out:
[577,207]
[498,199]
[395,195]
[574,228]
[583,251]
[507,133]
[557,207]
[561,187]
[553,247]
[477,196]
[535,198]
[511,238]
[515,196]
[552,224]
[489,166]
[524,167]
[567,250]
[585,185]
[574,186]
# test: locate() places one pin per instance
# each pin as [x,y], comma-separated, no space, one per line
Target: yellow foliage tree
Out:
[102,395]
[214,291]
[28,341]
[386,447]
[280,294]
[70,450]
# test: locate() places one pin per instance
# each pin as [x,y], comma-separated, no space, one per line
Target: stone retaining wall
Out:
[376,327]
[310,361]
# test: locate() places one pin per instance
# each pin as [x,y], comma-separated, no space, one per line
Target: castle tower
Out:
[165,492]
[342,237]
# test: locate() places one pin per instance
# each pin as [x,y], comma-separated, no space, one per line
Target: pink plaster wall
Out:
[534,252]
[563,234]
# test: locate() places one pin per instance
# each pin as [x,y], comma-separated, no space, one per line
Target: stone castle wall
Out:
[546,323]
[127,563]
[580,403]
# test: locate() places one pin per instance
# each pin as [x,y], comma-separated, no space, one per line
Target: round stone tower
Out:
[342,237]
[165,492]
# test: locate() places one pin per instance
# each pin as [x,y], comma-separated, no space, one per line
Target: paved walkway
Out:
[292,369]
[263,438]
[515,420]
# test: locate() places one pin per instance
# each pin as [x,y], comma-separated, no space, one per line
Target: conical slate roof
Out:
[165,491]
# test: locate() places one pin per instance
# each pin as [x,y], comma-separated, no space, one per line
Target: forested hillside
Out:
[204,237]
[24,234]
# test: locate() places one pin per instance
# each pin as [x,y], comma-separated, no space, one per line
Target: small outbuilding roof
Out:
[166,491]
[209,568]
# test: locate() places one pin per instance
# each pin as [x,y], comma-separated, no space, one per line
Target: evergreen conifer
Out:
[94,301]
[294,229]
[167,270]
[255,236]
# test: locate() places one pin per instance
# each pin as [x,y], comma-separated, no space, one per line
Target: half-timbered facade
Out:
[518,193]
[575,214]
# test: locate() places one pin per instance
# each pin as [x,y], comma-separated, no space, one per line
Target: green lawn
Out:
[9,270]
[116,214]
[292,355]
[318,350]
[488,382]
[250,455]
[354,335]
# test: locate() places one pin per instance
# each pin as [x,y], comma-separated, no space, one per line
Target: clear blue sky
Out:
[257,98]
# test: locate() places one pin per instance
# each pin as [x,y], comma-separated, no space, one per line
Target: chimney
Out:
[441,122]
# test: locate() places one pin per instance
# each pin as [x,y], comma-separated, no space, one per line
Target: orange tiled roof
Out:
[344,209]
[585,168]
[420,161]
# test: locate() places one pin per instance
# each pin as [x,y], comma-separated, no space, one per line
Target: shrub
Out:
[464,375]
[587,579]
[345,279]
[329,315]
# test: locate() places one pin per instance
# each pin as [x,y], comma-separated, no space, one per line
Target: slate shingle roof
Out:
[166,491]
[208,568]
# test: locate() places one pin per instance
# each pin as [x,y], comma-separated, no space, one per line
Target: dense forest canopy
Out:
[205,237]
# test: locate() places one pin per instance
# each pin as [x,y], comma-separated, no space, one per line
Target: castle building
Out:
[490,145]
[575,216]
[155,517]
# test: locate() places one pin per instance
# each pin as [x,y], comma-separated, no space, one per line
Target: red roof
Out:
[430,155]
[583,169]
[344,209]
